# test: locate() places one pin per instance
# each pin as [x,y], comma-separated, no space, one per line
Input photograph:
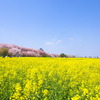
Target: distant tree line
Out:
[5,52]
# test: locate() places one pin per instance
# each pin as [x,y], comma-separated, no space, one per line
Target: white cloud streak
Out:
[53,42]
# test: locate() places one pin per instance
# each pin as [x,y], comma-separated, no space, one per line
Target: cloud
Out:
[53,42]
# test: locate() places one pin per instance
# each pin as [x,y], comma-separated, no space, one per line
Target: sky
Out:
[58,26]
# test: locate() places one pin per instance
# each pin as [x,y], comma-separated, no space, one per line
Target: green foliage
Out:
[63,55]
[4,52]
[41,49]
[9,55]
[45,55]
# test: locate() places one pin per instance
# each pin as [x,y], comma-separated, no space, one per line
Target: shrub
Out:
[63,55]
[4,52]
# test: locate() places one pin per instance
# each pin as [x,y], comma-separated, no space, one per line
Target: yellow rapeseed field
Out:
[34,78]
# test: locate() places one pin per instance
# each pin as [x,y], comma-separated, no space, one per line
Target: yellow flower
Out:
[34,98]
[45,98]
[45,92]
[18,87]
[85,91]
[40,82]
[15,96]
[77,97]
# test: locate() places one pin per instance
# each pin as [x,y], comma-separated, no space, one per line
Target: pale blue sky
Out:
[57,26]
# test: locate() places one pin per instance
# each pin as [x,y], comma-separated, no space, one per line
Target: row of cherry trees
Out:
[16,52]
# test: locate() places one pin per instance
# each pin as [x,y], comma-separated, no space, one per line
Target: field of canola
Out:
[49,78]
